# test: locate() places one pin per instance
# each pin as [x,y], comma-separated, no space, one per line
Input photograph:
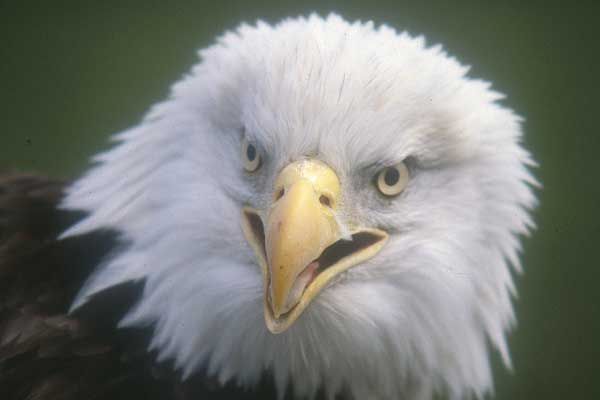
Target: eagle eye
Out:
[391,181]
[250,156]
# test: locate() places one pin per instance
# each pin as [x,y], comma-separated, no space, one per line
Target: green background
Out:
[70,75]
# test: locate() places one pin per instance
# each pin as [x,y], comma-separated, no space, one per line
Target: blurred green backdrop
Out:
[72,74]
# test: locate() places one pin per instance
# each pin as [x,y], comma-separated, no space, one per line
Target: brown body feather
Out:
[44,352]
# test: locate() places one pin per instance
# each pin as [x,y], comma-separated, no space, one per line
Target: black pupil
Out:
[251,152]
[391,176]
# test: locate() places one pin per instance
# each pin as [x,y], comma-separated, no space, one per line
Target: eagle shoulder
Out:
[45,352]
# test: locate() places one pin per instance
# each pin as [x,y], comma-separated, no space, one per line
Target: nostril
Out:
[325,200]
[279,194]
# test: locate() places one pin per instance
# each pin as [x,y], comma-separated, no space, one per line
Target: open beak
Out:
[301,249]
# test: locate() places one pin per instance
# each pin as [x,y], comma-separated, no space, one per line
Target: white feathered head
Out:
[335,203]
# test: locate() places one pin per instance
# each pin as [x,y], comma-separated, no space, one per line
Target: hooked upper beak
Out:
[302,249]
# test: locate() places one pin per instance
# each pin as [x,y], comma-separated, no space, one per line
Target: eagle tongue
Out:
[302,281]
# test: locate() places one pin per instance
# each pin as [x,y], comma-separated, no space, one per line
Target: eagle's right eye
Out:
[250,156]
[391,181]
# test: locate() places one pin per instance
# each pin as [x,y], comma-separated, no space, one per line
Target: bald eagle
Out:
[320,209]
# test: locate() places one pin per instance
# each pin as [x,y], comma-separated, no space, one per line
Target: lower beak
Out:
[301,250]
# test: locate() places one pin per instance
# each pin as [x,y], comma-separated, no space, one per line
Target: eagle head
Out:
[336,204]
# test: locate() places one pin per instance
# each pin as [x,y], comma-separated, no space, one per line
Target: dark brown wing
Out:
[44,352]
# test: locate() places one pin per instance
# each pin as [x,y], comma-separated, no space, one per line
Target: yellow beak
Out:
[301,249]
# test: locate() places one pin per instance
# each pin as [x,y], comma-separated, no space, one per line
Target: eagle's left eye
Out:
[391,181]
[250,156]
